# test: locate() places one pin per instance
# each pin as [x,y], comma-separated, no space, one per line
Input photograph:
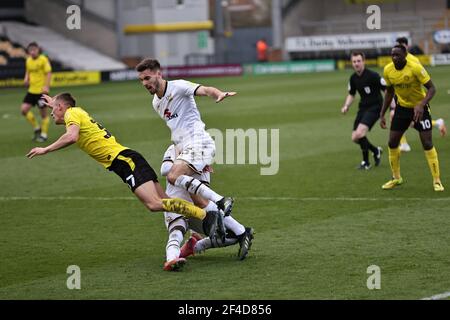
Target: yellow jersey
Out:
[37,70]
[408,82]
[412,58]
[93,139]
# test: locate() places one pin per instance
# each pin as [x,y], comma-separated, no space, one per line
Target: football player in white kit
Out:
[175,104]
[177,225]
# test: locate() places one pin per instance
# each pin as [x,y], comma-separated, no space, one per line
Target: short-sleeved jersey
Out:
[93,139]
[412,58]
[407,82]
[37,70]
[178,109]
[369,86]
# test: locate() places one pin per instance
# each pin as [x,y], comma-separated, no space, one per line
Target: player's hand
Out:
[383,122]
[344,109]
[48,100]
[418,113]
[45,89]
[36,152]
[223,95]
[26,83]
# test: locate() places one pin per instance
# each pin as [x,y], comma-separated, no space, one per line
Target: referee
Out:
[369,85]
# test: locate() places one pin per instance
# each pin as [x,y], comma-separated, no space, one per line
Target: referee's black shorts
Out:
[367,116]
[133,169]
[404,116]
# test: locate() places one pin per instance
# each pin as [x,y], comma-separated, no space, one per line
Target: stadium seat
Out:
[70,53]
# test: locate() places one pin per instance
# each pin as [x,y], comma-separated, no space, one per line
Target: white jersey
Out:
[178,109]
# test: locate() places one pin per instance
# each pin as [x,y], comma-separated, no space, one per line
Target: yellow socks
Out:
[433,163]
[403,139]
[31,119]
[183,207]
[394,161]
[44,126]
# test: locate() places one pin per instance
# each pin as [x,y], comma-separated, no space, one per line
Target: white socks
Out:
[195,186]
[233,225]
[173,245]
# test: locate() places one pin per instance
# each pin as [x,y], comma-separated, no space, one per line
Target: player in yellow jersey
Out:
[100,144]
[439,123]
[407,80]
[37,77]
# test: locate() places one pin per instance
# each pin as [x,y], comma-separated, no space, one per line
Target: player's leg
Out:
[426,137]
[148,194]
[394,159]
[359,137]
[135,171]
[176,227]
[368,120]
[45,122]
[404,146]
[440,125]
[399,124]
[25,109]
[180,175]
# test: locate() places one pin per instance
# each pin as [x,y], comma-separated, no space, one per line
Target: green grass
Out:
[315,236]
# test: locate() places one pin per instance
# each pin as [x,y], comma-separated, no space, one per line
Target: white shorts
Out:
[199,155]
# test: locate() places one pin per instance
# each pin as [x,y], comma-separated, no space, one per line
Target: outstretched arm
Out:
[68,138]
[214,93]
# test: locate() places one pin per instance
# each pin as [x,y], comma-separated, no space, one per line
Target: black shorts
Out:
[367,116]
[404,116]
[34,99]
[141,174]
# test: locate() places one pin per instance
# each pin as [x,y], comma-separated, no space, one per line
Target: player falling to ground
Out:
[100,144]
[369,85]
[37,77]
[175,104]
[439,123]
[406,79]
[177,225]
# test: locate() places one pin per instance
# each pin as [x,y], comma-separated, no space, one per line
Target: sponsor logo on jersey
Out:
[168,115]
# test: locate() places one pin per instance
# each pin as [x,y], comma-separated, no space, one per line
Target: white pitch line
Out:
[438,296]
[69,198]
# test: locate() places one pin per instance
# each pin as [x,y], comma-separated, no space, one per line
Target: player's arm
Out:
[431,91]
[388,97]
[348,102]
[68,138]
[26,79]
[214,93]
[48,78]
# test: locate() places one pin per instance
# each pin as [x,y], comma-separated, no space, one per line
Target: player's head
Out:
[33,50]
[150,74]
[398,54]
[358,61]
[403,41]
[60,103]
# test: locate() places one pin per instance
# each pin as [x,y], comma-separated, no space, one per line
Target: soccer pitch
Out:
[319,222]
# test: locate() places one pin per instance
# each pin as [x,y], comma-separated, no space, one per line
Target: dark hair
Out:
[32,44]
[399,46]
[402,40]
[151,64]
[359,53]
[67,98]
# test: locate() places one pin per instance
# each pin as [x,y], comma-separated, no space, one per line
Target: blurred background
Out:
[116,34]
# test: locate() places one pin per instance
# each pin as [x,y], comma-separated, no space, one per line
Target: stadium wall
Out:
[95,32]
